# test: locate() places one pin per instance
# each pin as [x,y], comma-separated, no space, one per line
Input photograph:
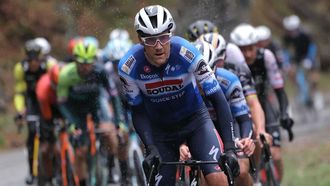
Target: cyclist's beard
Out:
[84,73]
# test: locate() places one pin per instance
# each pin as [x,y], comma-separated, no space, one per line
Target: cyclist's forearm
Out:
[142,124]
[224,123]
[257,113]
[66,113]
[245,125]
[118,109]
[282,99]
[19,102]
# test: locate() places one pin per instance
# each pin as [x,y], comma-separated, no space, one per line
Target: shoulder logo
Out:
[128,65]
[187,54]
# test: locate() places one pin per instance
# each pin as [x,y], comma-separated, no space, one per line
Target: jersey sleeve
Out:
[245,77]
[20,88]
[63,85]
[43,92]
[130,86]
[204,75]
[273,72]
[237,102]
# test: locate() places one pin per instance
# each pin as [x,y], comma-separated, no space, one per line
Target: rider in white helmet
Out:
[266,74]
[265,41]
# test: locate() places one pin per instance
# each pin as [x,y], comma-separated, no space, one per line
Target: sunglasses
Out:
[152,40]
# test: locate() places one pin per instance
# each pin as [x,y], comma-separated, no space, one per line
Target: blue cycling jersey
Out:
[169,93]
[232,88]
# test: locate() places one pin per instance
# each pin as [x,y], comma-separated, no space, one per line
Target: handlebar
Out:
[191,162]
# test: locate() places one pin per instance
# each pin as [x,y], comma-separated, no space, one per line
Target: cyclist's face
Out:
[84,69]
[159,52]
[34,64]
[249,52]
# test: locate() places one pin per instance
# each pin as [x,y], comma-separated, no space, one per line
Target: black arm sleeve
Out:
[142,124]
[245,125]
[224,123]
[282,99]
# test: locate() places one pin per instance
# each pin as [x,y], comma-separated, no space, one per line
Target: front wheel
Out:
[135,158]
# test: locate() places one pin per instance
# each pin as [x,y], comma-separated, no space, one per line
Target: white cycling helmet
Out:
[243,35]
[291,22]
[207,50]
[153,20]
[218,43]
[118,33]
[116,49]
[44,45]
[263,33]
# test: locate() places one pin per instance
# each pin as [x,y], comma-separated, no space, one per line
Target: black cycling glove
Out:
[231,159]
[287,123]
[153,158]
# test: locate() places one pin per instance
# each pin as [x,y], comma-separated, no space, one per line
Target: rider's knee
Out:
[216,178]
[276,153]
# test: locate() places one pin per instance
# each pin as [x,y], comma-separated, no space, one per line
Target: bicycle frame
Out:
[67,151]
[96,171]
[268,163]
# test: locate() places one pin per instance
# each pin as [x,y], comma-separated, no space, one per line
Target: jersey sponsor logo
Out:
[166,86]
[148,76]
[123,80]
[236,93]
[214,152]
[146,69]
[202,67]
[187,54]
[210,88]
[158,178]
[168,98]
[128,65]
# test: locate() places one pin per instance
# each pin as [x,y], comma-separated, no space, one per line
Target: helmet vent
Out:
[141,21]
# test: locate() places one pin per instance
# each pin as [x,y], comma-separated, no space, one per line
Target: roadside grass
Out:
[9,137]
[307,164]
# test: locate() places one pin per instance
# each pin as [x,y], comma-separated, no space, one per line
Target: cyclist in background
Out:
[79,93]
[115,49]
[233,91]
[46,95]
[26,73]
[71,43]
[265,72]
[160,78]
[200,27]
[265,41]
[301,50]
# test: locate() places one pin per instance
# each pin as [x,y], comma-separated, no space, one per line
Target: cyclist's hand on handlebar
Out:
[153,159]
[269,138]
[184,152]
[247,145]
[73,130]
[19,120]
[287,123]
[232,161]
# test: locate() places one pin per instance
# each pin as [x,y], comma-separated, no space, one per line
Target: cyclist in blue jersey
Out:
[301,54]
[160,77]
